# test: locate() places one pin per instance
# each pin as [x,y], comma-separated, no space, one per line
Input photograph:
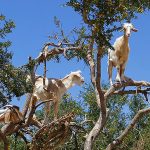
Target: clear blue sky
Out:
[34,21]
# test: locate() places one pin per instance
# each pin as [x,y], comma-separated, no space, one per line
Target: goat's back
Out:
[120,53]
[51,89]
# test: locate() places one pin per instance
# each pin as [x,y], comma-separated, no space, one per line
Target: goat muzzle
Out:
[82,81]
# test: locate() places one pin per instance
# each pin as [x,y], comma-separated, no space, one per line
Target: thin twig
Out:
[46,101]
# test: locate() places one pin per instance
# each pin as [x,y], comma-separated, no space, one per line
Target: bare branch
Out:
[138,91]
[43,103]
[55,51]
[136,118]
[114,89]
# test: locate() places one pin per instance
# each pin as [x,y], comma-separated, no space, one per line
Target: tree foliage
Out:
[105,17]
[12,79]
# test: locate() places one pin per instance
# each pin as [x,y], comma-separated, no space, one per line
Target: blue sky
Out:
[35,22]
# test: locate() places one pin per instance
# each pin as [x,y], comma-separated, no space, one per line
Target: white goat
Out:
[55,89]
[119,56]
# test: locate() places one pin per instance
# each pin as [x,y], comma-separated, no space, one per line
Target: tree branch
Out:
[5,141]
[85,15]
[94,132]
[96,79]
[55,51]
[136,118]
[46,101]
[114,89]
[140,91]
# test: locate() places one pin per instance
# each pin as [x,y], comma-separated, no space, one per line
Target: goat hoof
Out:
[118,82]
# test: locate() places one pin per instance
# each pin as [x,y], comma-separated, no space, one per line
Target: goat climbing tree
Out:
[100,18]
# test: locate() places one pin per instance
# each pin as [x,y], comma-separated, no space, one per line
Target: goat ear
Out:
[79,71]
[134,29]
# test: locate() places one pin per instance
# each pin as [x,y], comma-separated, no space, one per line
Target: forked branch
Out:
[58,49]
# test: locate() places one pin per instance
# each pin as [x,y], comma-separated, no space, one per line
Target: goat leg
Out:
[119,72]
[109,69]
[55,110]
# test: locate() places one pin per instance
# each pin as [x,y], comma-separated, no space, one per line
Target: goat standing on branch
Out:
[119,56]
[55,89]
